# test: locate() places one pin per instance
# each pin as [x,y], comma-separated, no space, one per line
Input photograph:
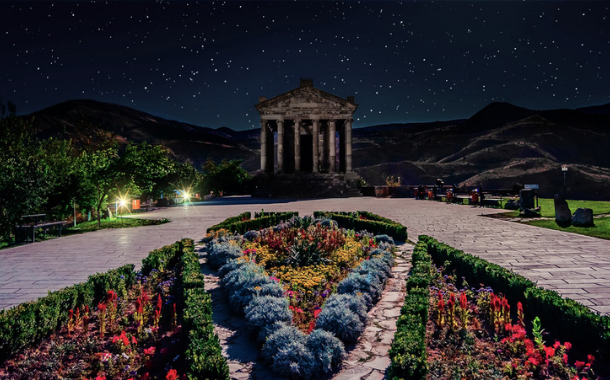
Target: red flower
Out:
[150,350]
[565,359]
[550,351]
[172,374]
[70,313]
[316,313]
[133,340]
[567,346]
[533,360]
[139,308]
[312,325]
[159,303]
[463,301]
[590,359]
[100,378]
[146,376]
[576,377]
[556,345]
[508,327]
[519,307]
[441,305]
[102,307]
[580,365]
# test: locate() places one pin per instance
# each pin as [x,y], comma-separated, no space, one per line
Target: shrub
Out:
[280,338]
[356,283]
[354,303]
[251,235]
[220,253]
[326,349]
[384,239]
[408,350]
[267,310]
[342,322]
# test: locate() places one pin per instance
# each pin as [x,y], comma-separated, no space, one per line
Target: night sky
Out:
[206,63]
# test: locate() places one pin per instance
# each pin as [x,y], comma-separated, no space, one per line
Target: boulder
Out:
[583,217]
[526,199]
[563,216]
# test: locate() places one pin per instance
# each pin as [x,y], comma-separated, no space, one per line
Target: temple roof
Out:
[307,101]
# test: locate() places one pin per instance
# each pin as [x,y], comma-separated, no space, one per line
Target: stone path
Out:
[368,359]
[574,265]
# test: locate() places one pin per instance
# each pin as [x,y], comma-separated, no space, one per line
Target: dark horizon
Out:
[206,63]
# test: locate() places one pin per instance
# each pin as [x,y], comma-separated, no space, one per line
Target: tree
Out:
[228,177]
[22,188]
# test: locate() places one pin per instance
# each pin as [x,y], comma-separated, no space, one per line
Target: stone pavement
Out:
[575,266]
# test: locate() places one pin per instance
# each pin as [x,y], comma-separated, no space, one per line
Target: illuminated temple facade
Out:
[306,144]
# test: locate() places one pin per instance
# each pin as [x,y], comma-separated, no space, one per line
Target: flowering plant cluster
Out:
[471,331]
[305,287]
[121,338]
[308,263]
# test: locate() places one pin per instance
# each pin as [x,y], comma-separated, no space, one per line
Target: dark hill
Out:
[499,146]
[185,141]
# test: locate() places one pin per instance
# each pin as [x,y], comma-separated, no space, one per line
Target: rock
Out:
[526,199]
[563,216]
[583,217]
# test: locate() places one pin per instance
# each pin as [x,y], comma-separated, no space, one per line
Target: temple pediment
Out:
[306,100]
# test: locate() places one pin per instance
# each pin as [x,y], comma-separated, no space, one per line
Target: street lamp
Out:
[564,169]
[121,205]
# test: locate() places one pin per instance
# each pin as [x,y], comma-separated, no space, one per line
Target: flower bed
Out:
[562,316]
[305,288]
[132,331]
[471,333]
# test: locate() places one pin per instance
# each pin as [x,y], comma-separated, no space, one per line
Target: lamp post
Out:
[122,204]
[564,169]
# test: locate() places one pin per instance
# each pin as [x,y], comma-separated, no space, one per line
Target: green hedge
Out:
[232,220]
[572,320]
[203,355]
[408,351]
[254,224]
[373,223]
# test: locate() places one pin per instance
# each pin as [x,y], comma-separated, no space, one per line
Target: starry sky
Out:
[207,62]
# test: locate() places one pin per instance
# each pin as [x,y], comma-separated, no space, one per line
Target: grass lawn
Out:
[601,229]
[547,207]
[112,223]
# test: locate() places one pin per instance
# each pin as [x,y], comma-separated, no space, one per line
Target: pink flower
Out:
[150,350]
[567,346]
[556,345]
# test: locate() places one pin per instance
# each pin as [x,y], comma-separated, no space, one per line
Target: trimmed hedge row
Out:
[203,355]
[254,224]
[234,219]
[576,322]
[29,322]
[408,350]
[374,223]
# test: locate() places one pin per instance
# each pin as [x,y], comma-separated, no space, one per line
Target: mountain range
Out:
[498,147]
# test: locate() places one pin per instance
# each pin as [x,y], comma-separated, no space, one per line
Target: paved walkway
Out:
[576,266]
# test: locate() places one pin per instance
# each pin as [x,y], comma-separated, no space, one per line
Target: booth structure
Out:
[306,144]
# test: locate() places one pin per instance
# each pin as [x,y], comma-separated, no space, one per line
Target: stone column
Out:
[348,145]
[315,143]
[297,146]
[263,145]
[332,148]
[280,146]
[325,148]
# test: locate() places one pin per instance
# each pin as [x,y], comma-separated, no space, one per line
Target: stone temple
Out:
[306,144]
